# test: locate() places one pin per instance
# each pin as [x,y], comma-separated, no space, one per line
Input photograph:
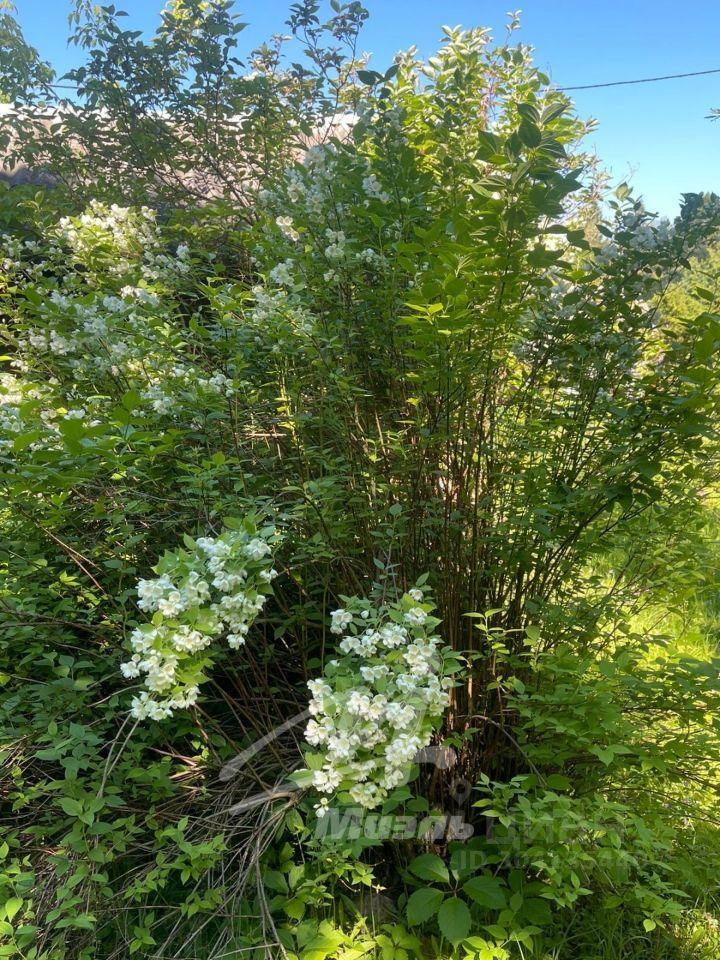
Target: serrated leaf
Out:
[454,919]
[428,866]
[487,891]
[423,904]
[70,806]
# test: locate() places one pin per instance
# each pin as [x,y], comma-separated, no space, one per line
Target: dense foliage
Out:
[317,377]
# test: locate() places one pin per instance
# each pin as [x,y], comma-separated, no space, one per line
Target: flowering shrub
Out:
[428,344]
[216,586]
[377,704]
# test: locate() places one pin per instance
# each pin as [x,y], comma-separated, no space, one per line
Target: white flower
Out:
[160,671]
[186,639]
[362,770]
[257,549]
[376,707]
[326,780]
[416,616]
[406,683]
[393,635]
[151,591]
[295,187]
[319,688]
[416,593]
[318,733]
[394,776]
[335,250]
[364,646]
[340,747]
[368,795]
[172,604]
[287,228]
[196,589]
[400,715]
[358,704]
[188,699]
[167,653]
[371,674]
[322,808]
[143,706]
[402,749]
[372,187]
[368,256]
[282,274]
[131,668]
[418,657]
[142,640]
[374,732]
[340,620]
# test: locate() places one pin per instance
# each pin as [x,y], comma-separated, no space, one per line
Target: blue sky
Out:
[655,134]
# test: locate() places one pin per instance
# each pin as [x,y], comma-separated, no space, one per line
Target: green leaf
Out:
[423,904]
[428,866]
[12,906]
[295,908]
[553,111]
[529,134]
[537,911]
[529,112]
[70,806]
[556,781]
[302,778]
[369,77]
[274,880]
[487,891]
[454,919]
[131,399]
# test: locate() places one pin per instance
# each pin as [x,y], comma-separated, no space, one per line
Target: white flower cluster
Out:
[165,391]
[11,396]
[106,319]
[282,274]
[121,234]
[374,190]
[379,703]
[29,406]
[335,250]
[124,237]
[287,228]
[278,318]
[218,585]
[26,258]
[311,205]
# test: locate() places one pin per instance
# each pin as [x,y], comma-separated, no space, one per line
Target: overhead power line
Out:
[623,83]
[583,86]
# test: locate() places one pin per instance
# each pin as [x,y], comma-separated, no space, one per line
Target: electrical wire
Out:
[623,83]
[584,86]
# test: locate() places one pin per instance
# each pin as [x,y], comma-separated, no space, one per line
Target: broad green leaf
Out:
[12,906]
[488,891]
[423,904]
[454,919]
[428,866]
